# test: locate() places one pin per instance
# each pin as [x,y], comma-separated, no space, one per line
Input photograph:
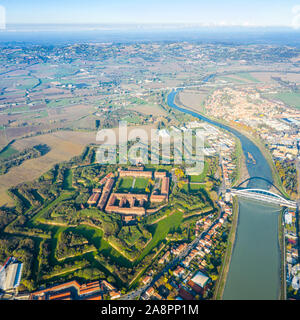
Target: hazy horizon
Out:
[222,13]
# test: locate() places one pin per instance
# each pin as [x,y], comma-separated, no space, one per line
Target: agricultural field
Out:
[194,99]
[7,152]
[291,99]
[63,146]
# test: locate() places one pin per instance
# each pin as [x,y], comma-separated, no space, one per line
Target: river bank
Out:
[227,257]
[242,175]
[242,171]
[281,242]
[266,153]
[254,267]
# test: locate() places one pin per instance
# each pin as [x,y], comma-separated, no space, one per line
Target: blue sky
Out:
[207,12]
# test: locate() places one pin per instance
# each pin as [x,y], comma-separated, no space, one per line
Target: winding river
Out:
[254,271]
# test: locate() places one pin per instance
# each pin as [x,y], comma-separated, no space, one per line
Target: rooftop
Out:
[200,279]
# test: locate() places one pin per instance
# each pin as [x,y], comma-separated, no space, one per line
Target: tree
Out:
[29,284]
[111,279]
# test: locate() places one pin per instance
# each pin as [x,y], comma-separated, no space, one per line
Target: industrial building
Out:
[10,274]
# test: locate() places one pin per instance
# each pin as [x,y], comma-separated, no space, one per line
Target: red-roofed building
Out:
[114,295]
[108,286]
[71,287]
[185,295]
[178,272]
[94,297]
[196,288]
[147,280]
[71,291]
[150,292]
[60,296]
[89,288]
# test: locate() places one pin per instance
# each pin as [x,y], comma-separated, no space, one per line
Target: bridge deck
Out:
[264,195]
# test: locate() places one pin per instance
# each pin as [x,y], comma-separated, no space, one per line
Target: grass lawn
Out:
[140,185]
[125,184]
[89,212]
[132,119]
[7,152]
[186,187]
[290,98]
[62,197]
[68,179]
[200,177]
[160,230]
[130,235]
[196,187]
[247,76]
[93,235]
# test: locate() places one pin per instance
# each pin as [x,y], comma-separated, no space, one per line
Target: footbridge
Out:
[265,196]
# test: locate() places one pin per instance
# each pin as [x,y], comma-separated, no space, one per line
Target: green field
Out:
[200,177]
[188,187]
[290,98]
[132,119]
[8,152]
[140,184]
[196,187]
[125,184]
[246,76]
[28,83]
[160,230]
[63,102]
[68,178]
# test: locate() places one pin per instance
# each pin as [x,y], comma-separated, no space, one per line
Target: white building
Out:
[288,218]
[10,275]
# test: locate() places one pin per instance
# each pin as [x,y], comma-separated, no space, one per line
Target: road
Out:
[139,292]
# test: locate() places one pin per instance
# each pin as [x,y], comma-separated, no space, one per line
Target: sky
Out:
[202,12]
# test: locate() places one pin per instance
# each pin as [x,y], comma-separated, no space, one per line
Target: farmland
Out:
[292,99]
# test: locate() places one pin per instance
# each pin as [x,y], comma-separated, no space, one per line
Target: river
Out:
[254,271]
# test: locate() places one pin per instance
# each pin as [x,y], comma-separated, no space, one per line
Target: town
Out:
[72,228]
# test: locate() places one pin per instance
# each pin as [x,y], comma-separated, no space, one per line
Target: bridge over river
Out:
[254,270]
[262,194]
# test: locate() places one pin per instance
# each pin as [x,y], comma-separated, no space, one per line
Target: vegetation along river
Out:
[254,271]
